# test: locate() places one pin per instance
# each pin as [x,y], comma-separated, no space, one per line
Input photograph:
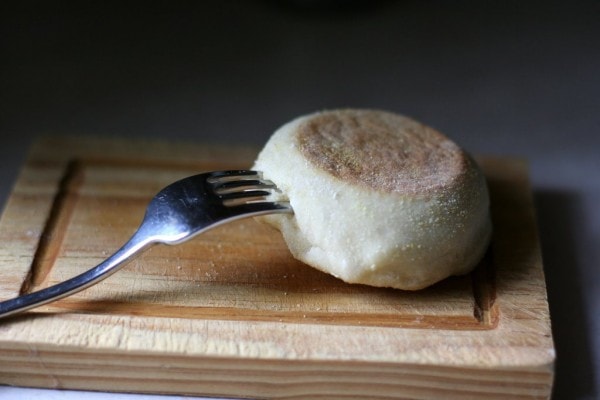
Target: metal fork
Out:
[177,213]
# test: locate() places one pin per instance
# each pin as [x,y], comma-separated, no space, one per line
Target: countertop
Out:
[508,78]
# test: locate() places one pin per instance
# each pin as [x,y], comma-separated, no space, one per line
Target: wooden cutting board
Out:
[231,313]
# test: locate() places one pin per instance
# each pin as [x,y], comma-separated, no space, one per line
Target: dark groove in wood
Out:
[55,227]
[484,291]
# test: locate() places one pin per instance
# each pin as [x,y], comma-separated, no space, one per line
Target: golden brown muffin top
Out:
[381,150]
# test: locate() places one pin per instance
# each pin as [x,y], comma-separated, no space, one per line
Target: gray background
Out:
[508,78]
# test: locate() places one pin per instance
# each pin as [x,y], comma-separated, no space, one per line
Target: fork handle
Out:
[134,246]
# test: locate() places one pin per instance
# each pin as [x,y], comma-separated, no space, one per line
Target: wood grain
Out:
[231,313]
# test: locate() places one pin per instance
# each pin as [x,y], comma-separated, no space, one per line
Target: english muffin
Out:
[378,198]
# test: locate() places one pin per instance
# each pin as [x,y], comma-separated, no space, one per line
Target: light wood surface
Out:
[231,313]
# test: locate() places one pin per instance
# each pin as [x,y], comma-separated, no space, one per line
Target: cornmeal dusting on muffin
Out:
[383,151]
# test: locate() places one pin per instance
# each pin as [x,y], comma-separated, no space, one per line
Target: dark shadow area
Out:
[556,213]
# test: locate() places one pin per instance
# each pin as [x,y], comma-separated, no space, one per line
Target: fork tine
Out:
[238,187]
[242,185]
[246,194]
[217,177]
[265,207]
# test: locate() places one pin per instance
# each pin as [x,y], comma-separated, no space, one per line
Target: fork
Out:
[177,213]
